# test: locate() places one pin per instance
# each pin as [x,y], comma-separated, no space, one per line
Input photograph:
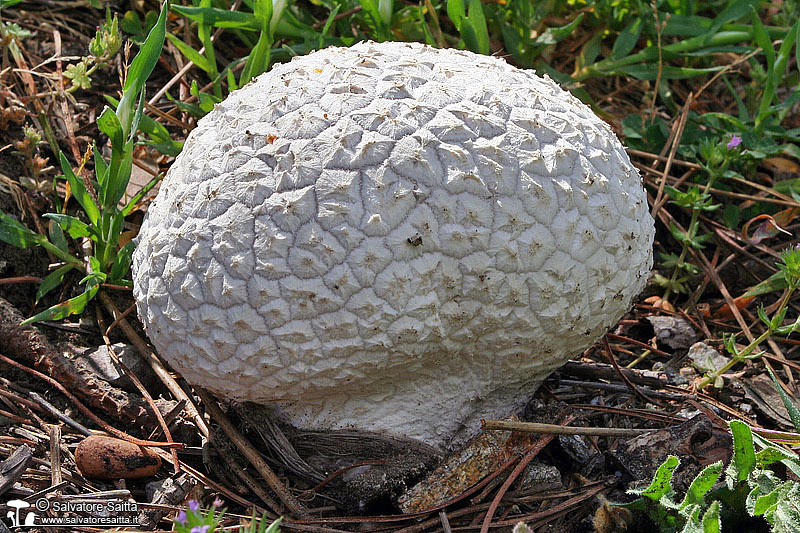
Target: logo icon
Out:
[18,505]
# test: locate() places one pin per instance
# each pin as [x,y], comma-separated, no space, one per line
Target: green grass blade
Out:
[53,280]
[79,191]
[145,61]
[74,226]
[100,165]
[794,412]
[457,12]
[16,234]
[258,60]
[190,53]
[72,306]
[219,18]
[649,71]
[385,9]
[122,262]
[328,24]
[735,10]
[763,40]
[129,207]
[141,68]
[627,39]
[477,23]
[775,76]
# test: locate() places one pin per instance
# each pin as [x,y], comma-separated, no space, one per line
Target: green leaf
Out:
[53,280]
[122,262]
[56,235]
[100,165]
[108,123]
[660,486]
[74,226]
[735,10]
[479,33]
[145,61]
[457,12]
[627,39]
[773,454]
[16,234]
[219,18]
[79,191]
[743,461]
[141,68]
[553,35]
[258,60]
[762,40]
[785,518]
[775,76]
[712,523]
[794,412]
[776,282]
[139,195]
[72,306]
[767,489]
[191,54]
[702,483]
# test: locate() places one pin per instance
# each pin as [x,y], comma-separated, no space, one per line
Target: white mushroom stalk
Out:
[392,238]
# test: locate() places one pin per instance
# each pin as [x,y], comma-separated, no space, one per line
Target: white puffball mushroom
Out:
[392,238]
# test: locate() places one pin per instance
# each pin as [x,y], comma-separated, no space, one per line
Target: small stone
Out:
[675,332]
[705,358]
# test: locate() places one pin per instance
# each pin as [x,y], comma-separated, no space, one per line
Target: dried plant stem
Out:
[88,412]
[154,362]
[251,453]
[554,429]
[142,389]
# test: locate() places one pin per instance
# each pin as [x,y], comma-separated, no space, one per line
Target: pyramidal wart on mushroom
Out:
[391,238]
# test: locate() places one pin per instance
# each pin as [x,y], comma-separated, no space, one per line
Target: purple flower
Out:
[181,518]
[194,505]
[217,502]
[200,529]
[735,141]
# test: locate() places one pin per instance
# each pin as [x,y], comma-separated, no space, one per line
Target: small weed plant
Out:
[751,490]
[788,277]
[100,198]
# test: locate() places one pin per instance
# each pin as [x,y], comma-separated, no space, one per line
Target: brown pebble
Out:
[99,456]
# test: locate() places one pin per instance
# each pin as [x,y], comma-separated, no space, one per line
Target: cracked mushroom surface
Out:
[391,237]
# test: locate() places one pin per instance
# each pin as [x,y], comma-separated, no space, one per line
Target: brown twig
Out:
[613,360]
[88,412]
[251,453]
[555,429]
[142,389]
[530,453]
[154,362]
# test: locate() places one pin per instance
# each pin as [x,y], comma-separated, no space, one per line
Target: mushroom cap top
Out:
[391,237]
